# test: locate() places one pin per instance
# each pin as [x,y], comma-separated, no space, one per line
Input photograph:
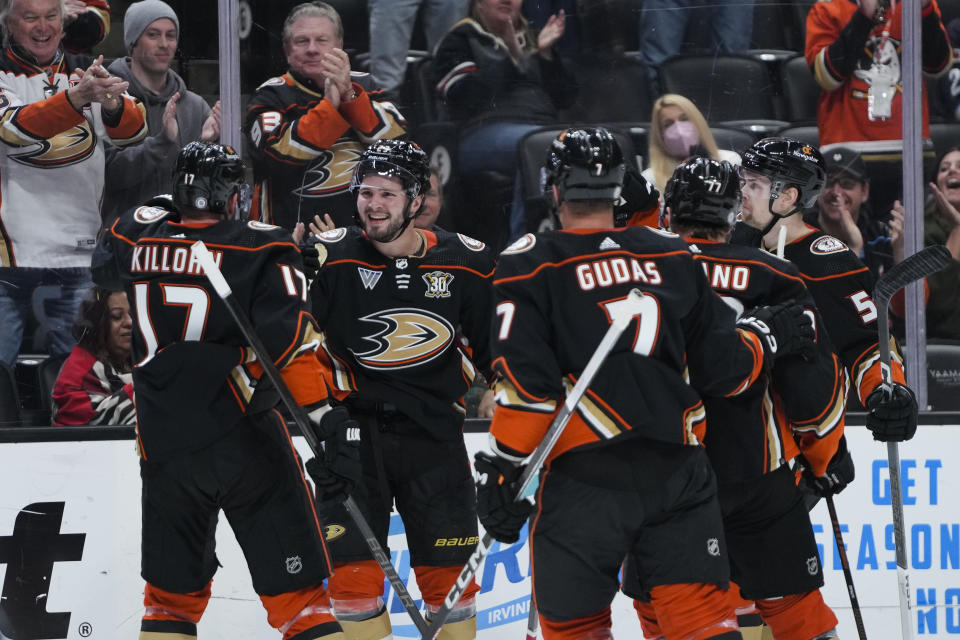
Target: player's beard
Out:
[386,233]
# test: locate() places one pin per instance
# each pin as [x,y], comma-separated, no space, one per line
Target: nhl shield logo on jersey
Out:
[827,244]
[713,547]
[521,244]
[813,565]
[470,243]
[294,564]
[438,284]
[406,338]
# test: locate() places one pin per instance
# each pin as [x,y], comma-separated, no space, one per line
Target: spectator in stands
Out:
[854,51]
[539,12]
[499,82]
[55,111]
[432,203]
[391,28]
[843,211]
[175,115]
[677,131]
[941,225]
[95,385]
[85,24]
[949,85]
[663,24]
[308,126]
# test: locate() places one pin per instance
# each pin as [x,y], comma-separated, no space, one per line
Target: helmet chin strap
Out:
[776,190]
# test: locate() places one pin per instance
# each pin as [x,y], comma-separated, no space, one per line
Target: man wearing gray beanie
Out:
[175,115]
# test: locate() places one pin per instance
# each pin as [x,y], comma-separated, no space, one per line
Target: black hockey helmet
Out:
[703,191]
[206,176]
[585,163]
[402,160]
[788,163]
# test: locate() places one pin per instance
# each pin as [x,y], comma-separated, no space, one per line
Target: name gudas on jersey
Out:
[166,259]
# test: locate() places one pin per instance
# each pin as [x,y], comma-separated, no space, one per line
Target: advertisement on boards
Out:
[70,549]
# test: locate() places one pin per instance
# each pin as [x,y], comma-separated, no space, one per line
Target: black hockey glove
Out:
[784,329]
[311,260]
[893,417]
[497,480]
[840,473]
[340,471]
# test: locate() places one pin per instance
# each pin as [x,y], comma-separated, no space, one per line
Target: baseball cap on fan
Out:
[846,160]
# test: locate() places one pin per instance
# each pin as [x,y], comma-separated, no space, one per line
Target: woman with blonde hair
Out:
[677,131]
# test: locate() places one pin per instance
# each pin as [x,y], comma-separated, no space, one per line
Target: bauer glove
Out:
[497,484]
[784,329]
[840,473]
[892,416]
[339,472]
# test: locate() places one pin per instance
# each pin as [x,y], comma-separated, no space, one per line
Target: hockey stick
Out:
[921,264]
[622,316]
[223,290]
[845,563]
[533,621]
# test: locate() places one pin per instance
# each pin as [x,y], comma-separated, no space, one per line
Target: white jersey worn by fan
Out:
[52,163]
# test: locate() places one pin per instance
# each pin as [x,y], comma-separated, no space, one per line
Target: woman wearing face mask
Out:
[95,386]
[677,131]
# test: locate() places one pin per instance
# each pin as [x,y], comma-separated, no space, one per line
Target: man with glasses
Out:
[843,211]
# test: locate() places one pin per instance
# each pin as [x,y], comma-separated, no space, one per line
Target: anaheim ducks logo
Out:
[407,337]
[827,244]
[74,145]
[146,215]
[521,244]
[330,174]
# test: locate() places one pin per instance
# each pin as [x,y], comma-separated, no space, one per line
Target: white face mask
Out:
[679,137]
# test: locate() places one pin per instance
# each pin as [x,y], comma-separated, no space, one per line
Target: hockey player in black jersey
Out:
[780,177]
[392,301]
[210,437]
[627,476]
[752,438]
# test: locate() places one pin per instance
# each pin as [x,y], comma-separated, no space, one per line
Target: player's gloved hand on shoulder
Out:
[784,329]
[892,417]
[340,471]
[840,473]
[497,484]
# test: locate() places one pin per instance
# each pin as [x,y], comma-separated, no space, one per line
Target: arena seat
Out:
[611,89]
[800,92]
[9,399]
[732,139]
[808,134]
[47,374]
[723,87]
[945,136]
[943,376]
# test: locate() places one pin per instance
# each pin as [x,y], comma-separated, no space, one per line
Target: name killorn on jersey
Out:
[167,259]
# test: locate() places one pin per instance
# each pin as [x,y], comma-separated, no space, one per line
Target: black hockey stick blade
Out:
[921,264]
[622,317]
[220,285]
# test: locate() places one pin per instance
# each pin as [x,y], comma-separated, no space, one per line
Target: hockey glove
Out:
[340,471]
[840,473]
[892,417]
[784,329]
[311,260]
[497,484]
